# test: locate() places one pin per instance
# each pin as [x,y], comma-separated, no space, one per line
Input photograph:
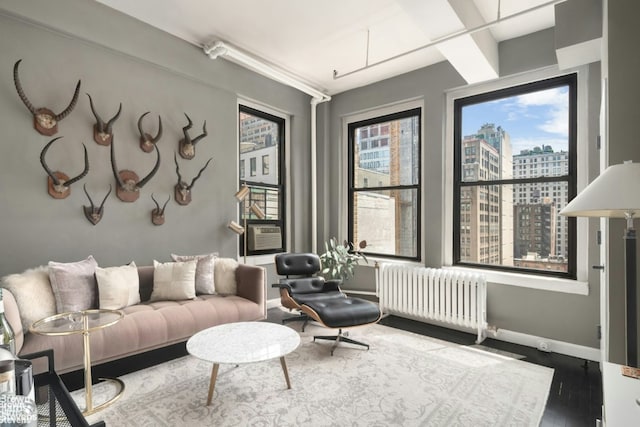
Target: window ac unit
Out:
[264,237]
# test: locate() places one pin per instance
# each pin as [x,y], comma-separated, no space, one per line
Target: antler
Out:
[160,211]
[193,181]
[21,94]
[175,159]
[71,106]
[146,179]
[185,131]
[84,186]
[101,126]
[114,166]
[103,200]
[142,133]
[52,175]
[84,172]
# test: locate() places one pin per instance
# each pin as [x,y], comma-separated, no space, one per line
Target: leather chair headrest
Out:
[297,264]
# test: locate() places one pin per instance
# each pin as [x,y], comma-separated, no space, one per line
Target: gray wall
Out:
[530,311]
[119,59]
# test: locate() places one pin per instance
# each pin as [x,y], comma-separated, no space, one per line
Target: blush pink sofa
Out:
[148,325]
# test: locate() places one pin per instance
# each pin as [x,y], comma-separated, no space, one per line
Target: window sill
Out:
[531,281]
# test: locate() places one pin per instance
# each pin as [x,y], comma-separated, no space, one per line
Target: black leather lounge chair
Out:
[321,300]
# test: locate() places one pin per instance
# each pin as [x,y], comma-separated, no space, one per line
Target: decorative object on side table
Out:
[340,260]
[606,197]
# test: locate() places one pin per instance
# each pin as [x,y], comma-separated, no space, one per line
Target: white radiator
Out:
[439,295]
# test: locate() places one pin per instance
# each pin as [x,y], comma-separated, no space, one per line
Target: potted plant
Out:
[339,260]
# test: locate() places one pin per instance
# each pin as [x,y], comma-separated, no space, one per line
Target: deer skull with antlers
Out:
[93,214]
[187,144]
[58,183]
[45,121]
[128,184]
[146,140]
[103,132]
[182,190]
[157,214]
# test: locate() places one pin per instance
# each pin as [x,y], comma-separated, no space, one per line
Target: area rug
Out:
[403,380]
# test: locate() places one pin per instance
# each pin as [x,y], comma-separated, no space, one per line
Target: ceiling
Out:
[364,41]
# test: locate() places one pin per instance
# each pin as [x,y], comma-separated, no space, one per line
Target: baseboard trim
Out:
[553,346]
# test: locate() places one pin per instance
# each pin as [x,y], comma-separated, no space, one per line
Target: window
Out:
[510,128]
[395,200]
[262,136]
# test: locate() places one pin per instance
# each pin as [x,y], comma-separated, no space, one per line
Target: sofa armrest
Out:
[12,313]
[252,284]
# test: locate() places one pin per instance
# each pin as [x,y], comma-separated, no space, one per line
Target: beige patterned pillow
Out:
[205,283]
[174,281]
[74,284]
[118,287]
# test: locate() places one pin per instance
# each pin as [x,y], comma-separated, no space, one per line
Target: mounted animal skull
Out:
[146,140]
[58,183]
[182,190]
[93,214]
[187,144]
[157,214]
[128,184]
[45,121]
[103,132]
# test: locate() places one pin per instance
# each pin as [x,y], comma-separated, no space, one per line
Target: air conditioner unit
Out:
[264,237]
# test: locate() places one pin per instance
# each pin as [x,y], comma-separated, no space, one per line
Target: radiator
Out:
[443,296]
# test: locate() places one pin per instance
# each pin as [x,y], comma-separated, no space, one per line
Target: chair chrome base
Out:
[340,338]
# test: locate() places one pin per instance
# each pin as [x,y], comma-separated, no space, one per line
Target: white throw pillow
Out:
[225,276]
[205,283]
[27,287]
[174,281]
[118,287]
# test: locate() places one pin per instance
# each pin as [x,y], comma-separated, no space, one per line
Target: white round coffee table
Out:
[243,342]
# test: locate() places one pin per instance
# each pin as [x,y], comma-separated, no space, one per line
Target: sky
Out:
[531,120]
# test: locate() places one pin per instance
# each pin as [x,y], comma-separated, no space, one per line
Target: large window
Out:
[384,184]
[262,136]
[515,169]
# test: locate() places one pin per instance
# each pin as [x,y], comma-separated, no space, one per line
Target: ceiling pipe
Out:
[218,48]
[337,75]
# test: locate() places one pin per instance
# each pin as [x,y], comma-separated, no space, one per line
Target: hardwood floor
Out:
[575,398]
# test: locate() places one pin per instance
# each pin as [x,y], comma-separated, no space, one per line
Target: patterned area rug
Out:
[403,380]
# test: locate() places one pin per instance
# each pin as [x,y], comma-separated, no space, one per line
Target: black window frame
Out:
[352,189]
[261,186]
[569,80]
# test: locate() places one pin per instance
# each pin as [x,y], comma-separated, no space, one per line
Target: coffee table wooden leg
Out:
[286,373]
[212,383]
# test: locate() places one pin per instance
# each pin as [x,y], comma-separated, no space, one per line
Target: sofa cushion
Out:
[27,287]
[225,276]
[118,287]
[74,284]
[205,283]
[174,280]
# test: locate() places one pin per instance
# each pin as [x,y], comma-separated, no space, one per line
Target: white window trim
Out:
[580,285]
[267,259]
[347,119]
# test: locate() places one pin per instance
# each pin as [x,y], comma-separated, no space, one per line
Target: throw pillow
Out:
[225,276]
[27,287]
[205,283]
[118,287]
[174,280]
[74,284]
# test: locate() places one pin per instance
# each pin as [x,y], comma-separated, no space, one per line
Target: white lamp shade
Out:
[613,194]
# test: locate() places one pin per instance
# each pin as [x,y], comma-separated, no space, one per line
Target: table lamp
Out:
[614,194]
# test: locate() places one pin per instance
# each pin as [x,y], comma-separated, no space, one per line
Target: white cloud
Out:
[556,102]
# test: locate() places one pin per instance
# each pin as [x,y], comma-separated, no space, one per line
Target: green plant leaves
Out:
[339,260]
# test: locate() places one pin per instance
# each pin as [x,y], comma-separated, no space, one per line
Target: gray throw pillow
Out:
[74,284]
